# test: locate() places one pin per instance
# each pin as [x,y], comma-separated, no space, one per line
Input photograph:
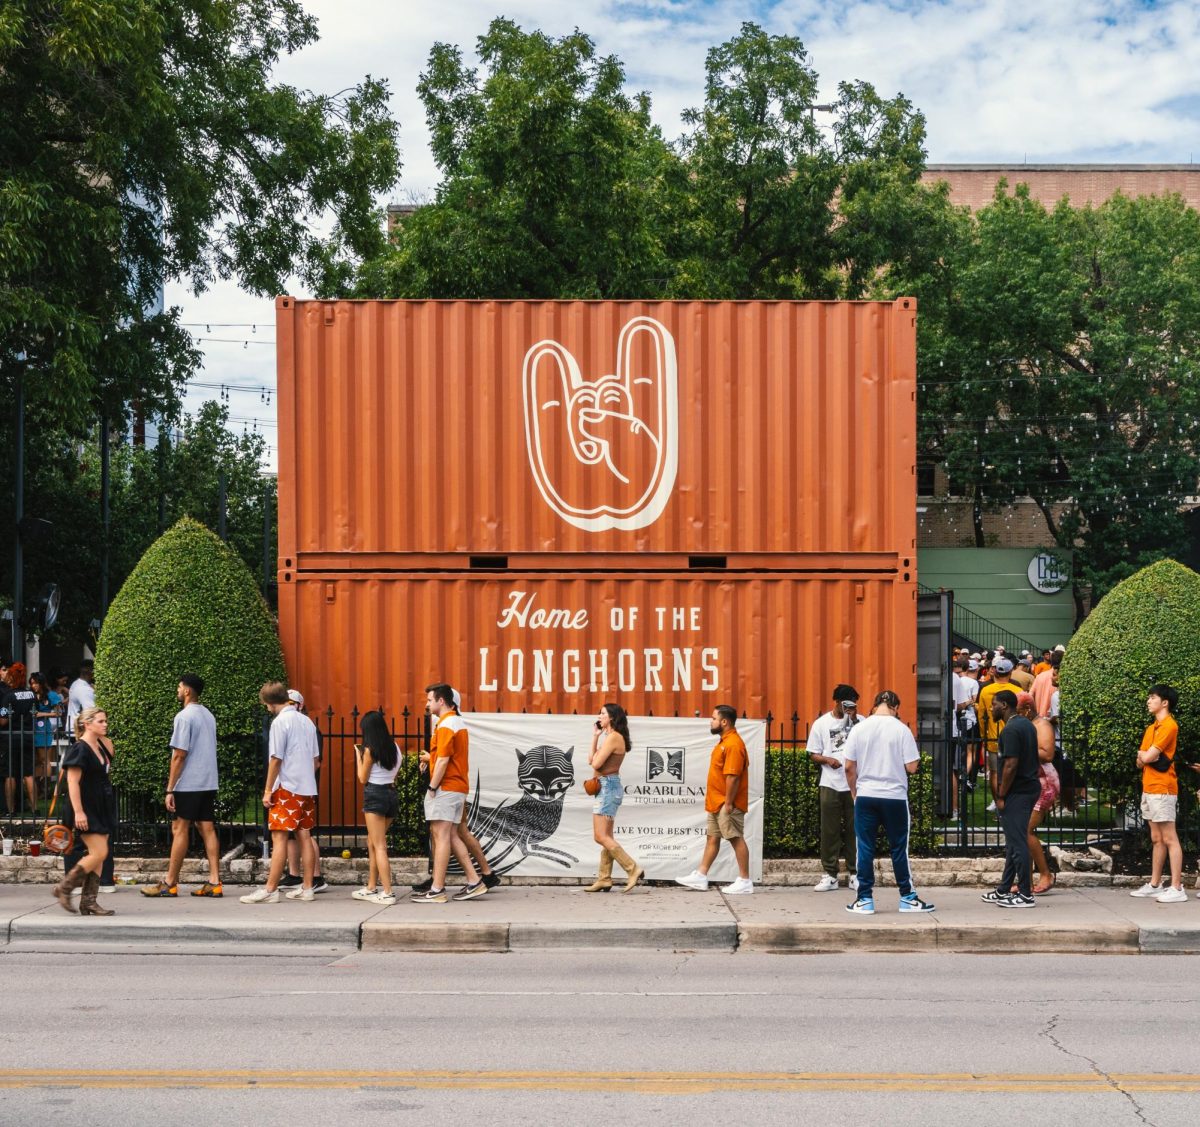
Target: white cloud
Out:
[1073,80]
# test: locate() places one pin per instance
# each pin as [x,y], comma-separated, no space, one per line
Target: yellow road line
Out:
[657,1083]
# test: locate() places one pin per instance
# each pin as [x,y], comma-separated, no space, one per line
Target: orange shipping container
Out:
[653,642]
[416,434]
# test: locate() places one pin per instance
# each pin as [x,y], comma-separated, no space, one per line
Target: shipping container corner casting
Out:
[556,503]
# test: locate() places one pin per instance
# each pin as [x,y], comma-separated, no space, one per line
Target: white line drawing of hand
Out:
[604,452]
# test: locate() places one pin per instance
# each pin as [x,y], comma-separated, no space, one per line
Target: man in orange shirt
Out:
[726,799]
[447,760]
[1160,795]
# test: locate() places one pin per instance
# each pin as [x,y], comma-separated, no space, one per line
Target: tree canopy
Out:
[142,141]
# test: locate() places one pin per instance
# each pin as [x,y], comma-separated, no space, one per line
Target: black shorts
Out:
[381,800]
[196,805]
[17,756]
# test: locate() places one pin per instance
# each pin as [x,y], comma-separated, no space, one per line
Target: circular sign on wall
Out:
[1048,573]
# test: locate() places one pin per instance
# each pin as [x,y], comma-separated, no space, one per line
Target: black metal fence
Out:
[950,797]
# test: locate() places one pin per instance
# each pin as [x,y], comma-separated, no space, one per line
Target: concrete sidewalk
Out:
[511,918]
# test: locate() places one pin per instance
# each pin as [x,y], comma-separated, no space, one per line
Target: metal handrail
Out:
[982,633]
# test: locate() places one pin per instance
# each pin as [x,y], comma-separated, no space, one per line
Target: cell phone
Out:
[597,725]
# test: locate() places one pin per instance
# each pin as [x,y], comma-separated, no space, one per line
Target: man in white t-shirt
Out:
[880,754]
[290,795]
[826,738]
[81,695]
[966,691]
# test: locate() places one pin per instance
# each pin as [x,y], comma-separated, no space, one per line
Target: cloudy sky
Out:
[998,81]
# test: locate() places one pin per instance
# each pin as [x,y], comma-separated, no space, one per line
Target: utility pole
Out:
[18,632]
[104,517]
[221,504]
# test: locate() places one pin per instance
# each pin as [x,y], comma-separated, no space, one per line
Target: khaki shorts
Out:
[729,827]
[1159,807]
[444,806]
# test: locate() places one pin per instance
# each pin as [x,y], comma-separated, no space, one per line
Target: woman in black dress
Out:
[94,808]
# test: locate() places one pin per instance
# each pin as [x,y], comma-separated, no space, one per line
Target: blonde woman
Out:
[377,760]
[610,745]
[93,808]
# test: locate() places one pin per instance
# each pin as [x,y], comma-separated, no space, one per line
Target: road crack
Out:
[1048,1031]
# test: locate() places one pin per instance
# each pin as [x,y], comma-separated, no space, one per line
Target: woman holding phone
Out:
[377,760]
[93,806]
[610,745]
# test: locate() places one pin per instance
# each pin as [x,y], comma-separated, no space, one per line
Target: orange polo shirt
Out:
[1162,734]
[728,758]
[450,741]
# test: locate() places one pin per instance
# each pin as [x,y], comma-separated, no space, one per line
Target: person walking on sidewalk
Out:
[192,790]
[93,809]
[610,745]
[1017,790]
[290,795]
[880,754]
[292,878]
[1160,795]
[726,800]
[826,740]
[1049,795]
[377,760]
[448,761]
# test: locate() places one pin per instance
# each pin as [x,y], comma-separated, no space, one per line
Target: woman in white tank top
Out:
[377,760]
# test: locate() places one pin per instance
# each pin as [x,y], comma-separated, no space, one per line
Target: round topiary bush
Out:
[1145,630]
[190,606]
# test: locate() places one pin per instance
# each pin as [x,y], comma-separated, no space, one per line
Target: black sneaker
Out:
[1016,900]
[490,879]
[320,885]
[424,886]
[290,881]
[993,897]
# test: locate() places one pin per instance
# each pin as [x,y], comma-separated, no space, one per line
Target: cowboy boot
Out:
[631,867]
[603,881]
[67,885]
[87,902]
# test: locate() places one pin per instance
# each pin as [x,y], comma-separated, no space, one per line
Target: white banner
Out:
[531,815]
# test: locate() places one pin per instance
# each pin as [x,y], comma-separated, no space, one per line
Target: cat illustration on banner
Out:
[545,774]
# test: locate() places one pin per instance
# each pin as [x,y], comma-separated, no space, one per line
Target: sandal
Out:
[1039,889]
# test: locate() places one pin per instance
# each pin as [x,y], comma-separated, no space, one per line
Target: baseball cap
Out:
[973,664]
[976,657]
[457,698]
[1002,665]
[1026,659]
[296,697]
[1061,648]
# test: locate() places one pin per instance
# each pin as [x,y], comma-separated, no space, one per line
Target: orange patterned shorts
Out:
[292,811]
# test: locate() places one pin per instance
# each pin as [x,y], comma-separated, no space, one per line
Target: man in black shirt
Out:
[1017,789]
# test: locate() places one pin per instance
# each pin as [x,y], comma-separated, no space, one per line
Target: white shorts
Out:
[444,806]
[1159,807]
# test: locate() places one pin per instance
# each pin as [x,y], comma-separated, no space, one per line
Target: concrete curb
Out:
[38,928]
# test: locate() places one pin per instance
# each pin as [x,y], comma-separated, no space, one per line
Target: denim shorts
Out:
[380,799]
[608,801]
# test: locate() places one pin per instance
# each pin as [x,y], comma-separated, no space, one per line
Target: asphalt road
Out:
[595,1036]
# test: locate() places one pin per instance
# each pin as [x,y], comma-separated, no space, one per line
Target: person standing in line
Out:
[610,744]
[377,760]
[290,794]
[448,762]
[22,706]
[293,879]
[965,691]
[93,809]
[989,727]
[47,712]
[880,755]
[726,800]
[1022,674]
[1017,790]
[1044,686]
[1051,788]
[1160,795]
[826,739]
[192,790]
[1043,665]
[81,694]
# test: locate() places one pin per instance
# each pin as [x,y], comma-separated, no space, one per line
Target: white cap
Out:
[973,664]
[457,698]
[296,697]
[1060,648]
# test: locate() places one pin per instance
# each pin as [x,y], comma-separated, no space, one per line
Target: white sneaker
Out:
[1147,889]
[826,884]
[743,886]
[382,897]
[1172,895]
[853,883]
[301,893]
[261,896]
[991,808]
[695,879]
[363,894]
[108,888]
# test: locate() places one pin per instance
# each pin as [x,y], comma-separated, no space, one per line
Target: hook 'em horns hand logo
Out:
[605,451]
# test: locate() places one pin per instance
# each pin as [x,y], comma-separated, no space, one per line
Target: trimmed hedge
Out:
[190,606]
[1145,630]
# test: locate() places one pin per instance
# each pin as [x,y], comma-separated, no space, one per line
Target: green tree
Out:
[556,184]
[143,141]
[190,606]
[1145,631]
[1058,361]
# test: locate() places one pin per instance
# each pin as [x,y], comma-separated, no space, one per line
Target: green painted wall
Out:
[994,583]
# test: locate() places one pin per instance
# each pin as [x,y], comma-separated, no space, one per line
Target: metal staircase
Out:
[979,633]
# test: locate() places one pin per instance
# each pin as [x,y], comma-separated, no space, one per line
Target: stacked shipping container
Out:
[554,504]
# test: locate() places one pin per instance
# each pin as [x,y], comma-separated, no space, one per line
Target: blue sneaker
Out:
[863,906]
[913,903]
